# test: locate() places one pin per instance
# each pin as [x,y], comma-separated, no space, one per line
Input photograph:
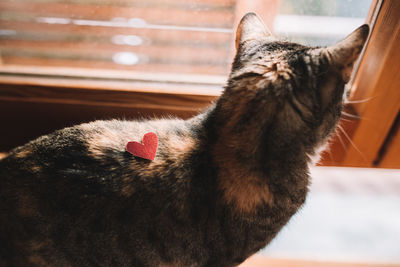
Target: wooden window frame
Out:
[170,94]
[373,139]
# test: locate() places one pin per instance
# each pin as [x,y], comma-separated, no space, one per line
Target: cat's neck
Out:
[250,155]
[251,133]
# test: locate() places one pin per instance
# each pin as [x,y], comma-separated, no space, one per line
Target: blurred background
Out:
[178,36]
[64,62]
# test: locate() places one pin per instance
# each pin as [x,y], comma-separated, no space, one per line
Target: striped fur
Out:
[220,188]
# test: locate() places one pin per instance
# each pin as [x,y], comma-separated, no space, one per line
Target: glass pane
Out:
[159,40]
[156,36]
[316,22]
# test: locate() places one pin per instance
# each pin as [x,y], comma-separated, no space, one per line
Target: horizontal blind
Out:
[192,37]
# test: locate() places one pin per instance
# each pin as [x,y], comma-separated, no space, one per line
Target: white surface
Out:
[290,25]
[350,215]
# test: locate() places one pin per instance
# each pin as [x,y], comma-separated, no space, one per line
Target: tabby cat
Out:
[221,185]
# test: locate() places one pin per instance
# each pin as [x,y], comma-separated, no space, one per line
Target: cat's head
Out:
[297,89]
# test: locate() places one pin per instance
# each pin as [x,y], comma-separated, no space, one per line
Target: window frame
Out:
[372,139]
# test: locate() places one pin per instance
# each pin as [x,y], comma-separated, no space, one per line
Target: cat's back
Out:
[79,188]
[91,160]
[97,143]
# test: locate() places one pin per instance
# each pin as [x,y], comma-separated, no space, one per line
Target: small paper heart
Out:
[146,150]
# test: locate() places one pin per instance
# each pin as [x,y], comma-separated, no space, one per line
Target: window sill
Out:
[168,93]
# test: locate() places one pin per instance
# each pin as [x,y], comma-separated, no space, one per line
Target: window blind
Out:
[190,37]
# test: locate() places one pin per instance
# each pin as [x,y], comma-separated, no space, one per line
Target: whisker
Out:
[343,119]
[340,139]
[330,154]
[360,100]
[356,101]
[351,115]
[327,149]
[352,143]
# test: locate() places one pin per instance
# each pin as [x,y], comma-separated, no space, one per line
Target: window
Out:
[125,40]
[154,41]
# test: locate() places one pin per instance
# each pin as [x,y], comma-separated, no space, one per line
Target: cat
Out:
[221,186]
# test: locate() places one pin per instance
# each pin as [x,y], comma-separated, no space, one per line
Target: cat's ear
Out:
[344,53]
[251,27]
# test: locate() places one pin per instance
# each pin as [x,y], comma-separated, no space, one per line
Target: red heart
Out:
[147,150]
